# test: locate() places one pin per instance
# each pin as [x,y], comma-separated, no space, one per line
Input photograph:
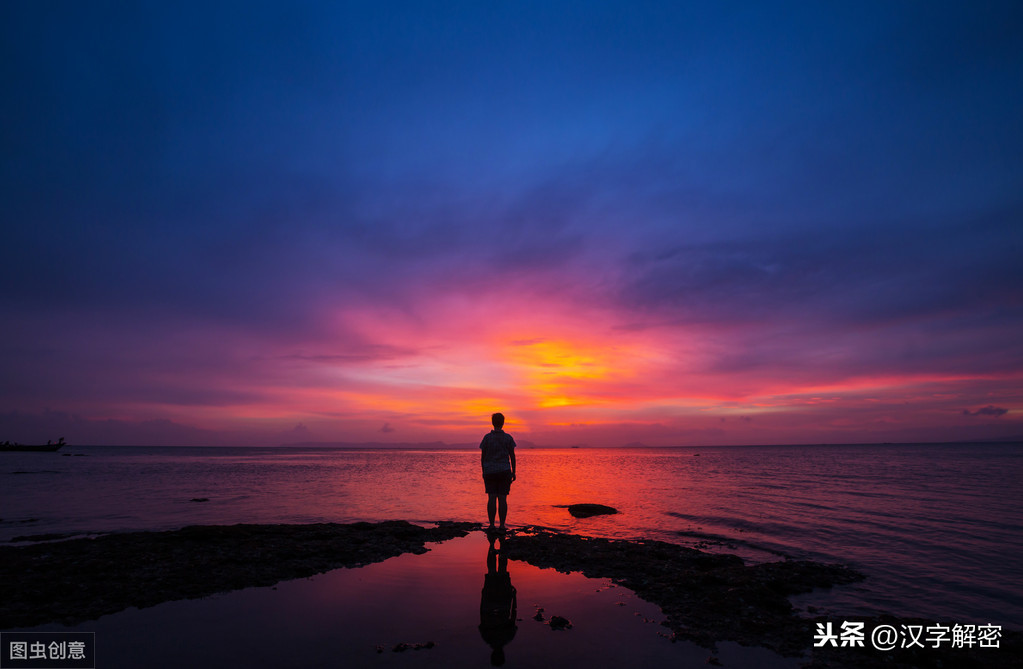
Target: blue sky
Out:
[225,223]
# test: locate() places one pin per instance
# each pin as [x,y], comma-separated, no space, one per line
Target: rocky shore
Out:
[710,598]
[706,598]
[82,579]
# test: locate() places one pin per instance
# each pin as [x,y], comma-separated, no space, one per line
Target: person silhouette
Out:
[498,603]
[498,461]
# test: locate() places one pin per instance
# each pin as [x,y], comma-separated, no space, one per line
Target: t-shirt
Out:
[497,448]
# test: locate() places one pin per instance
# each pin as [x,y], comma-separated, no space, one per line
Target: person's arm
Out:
[512,456]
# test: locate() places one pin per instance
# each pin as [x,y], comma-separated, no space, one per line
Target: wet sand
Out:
[708,604]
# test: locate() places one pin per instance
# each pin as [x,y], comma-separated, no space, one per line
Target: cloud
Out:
[989,410]
[387,428]
[330,207]
[862,273]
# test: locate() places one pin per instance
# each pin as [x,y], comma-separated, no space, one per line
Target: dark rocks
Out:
[83,579]
[587,510]
[199,499]
[555,622]
[706,598]
[402,647]
[710,598]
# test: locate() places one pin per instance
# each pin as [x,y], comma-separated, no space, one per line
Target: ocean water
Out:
[937,528]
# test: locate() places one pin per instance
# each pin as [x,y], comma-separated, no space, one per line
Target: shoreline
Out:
[76,580]
[707,598]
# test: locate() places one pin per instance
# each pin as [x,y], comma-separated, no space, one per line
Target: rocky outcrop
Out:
[587,510]
[82,579]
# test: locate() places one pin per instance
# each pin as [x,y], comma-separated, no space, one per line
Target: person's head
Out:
[498,420]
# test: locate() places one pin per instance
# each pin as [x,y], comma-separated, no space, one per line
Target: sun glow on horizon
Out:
[561,373]
[560,376]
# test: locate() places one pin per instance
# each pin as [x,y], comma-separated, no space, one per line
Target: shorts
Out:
[498,483]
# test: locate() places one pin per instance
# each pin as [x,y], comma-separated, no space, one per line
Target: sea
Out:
[936,528]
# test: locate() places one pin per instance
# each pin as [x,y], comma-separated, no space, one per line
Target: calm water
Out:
[341,617]
[938,529]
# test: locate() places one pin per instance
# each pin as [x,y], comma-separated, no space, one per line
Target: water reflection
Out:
[498,604]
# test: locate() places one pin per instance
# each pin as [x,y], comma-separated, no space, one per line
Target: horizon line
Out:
[441,445]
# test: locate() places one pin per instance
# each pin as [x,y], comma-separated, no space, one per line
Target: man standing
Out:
[498,461]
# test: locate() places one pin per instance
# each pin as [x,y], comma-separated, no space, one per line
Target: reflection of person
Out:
[497,604]
[498,460]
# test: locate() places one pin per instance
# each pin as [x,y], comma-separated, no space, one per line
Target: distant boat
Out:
[8,446]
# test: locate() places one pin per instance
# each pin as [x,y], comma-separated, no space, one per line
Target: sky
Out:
[665,223]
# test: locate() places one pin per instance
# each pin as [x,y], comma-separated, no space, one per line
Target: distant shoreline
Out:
[443,446]
[635,445]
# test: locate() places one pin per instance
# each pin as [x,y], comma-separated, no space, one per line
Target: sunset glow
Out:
[365,226]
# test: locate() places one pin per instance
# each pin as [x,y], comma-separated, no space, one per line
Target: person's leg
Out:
[502,509]
[492,507]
